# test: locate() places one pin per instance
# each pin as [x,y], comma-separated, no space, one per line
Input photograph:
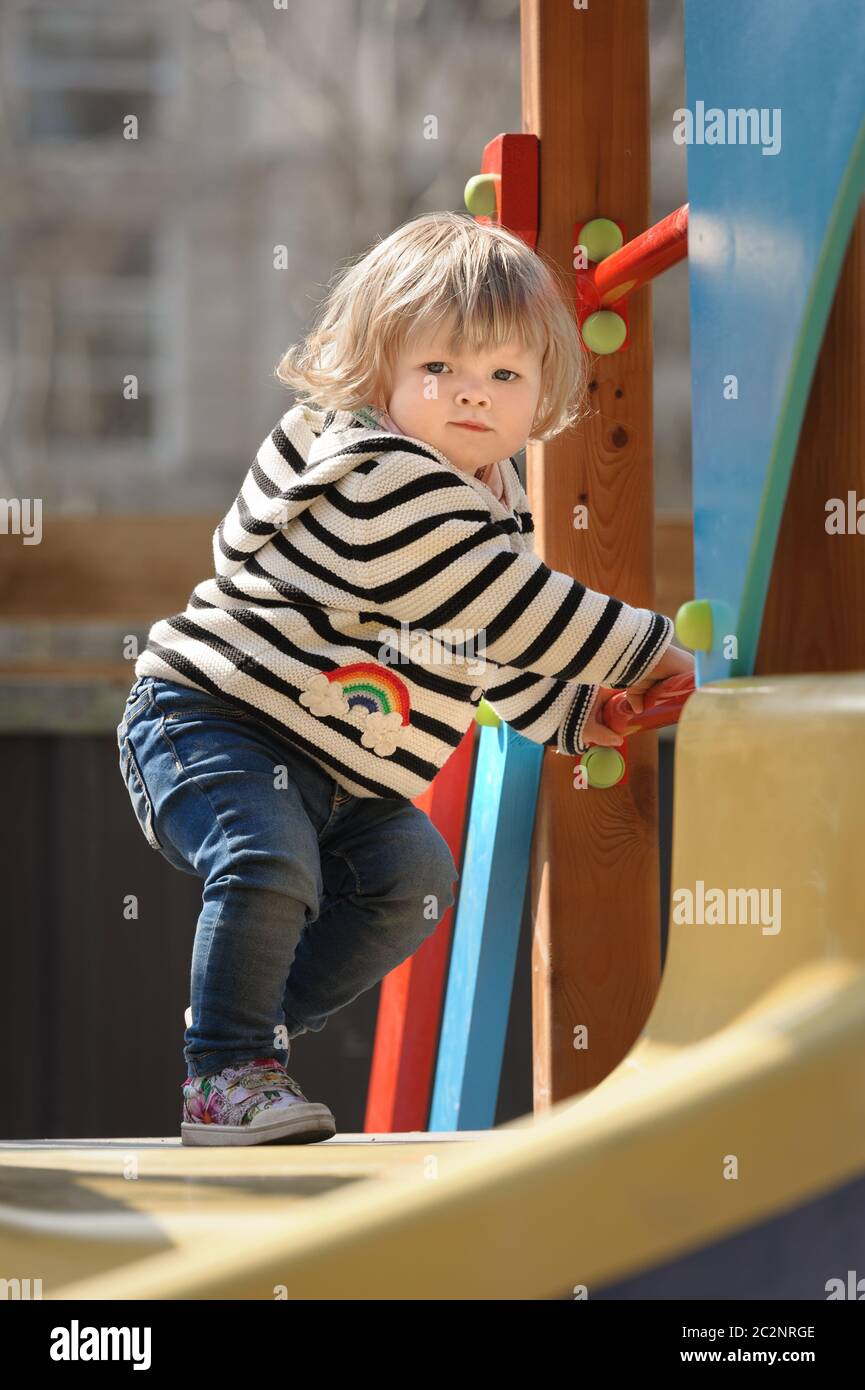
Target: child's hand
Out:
[674,662]
[595,731]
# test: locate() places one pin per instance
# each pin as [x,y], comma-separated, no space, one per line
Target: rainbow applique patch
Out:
[369,695]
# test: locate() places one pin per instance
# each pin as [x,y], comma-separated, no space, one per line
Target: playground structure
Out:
[751,1051]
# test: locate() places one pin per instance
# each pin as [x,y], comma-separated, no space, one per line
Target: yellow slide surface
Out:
[742,1098]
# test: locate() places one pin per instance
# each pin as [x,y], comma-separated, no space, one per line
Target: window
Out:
[81,66]
[86,311]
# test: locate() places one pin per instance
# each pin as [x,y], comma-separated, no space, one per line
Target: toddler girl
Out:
[374,578]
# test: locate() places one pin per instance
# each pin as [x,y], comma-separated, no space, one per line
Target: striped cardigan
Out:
[367,593]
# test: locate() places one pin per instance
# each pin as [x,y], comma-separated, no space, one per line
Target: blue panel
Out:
[487,930]
[767,234]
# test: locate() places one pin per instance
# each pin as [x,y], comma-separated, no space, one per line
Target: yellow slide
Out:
[742,1098]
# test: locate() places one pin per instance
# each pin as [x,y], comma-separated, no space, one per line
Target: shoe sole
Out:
[302,1124]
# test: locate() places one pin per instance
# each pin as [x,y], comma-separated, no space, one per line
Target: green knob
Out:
[601,238]
[480,195]
[604,332]
[694,625]
[604,767]
[485,714]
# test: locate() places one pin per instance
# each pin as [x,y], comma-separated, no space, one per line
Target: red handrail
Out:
[642,259]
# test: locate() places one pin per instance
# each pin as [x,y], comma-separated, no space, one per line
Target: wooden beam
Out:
[106,566]
[813,615]
[595,885]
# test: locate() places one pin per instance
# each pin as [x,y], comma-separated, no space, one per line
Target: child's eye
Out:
[429,365]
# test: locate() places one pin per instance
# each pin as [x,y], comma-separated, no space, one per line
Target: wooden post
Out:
[595,878]
[816,597]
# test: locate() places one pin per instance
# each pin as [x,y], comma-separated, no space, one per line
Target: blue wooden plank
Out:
[486,931]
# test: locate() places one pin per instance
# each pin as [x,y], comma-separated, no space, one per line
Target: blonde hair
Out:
[436,265]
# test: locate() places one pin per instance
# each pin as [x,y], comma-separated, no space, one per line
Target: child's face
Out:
[433,388]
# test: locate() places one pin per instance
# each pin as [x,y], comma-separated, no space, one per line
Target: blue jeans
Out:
[311,895]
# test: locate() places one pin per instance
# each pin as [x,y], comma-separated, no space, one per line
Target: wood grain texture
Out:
[595,892]
[813,619]
[84,566]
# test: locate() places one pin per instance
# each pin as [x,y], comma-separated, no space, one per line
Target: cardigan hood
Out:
[323,447]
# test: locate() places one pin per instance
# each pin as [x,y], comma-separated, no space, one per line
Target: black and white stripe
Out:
[340,533]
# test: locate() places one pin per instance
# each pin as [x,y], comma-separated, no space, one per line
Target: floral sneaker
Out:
[253,1102]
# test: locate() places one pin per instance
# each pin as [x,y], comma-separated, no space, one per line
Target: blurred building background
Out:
[146,246]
